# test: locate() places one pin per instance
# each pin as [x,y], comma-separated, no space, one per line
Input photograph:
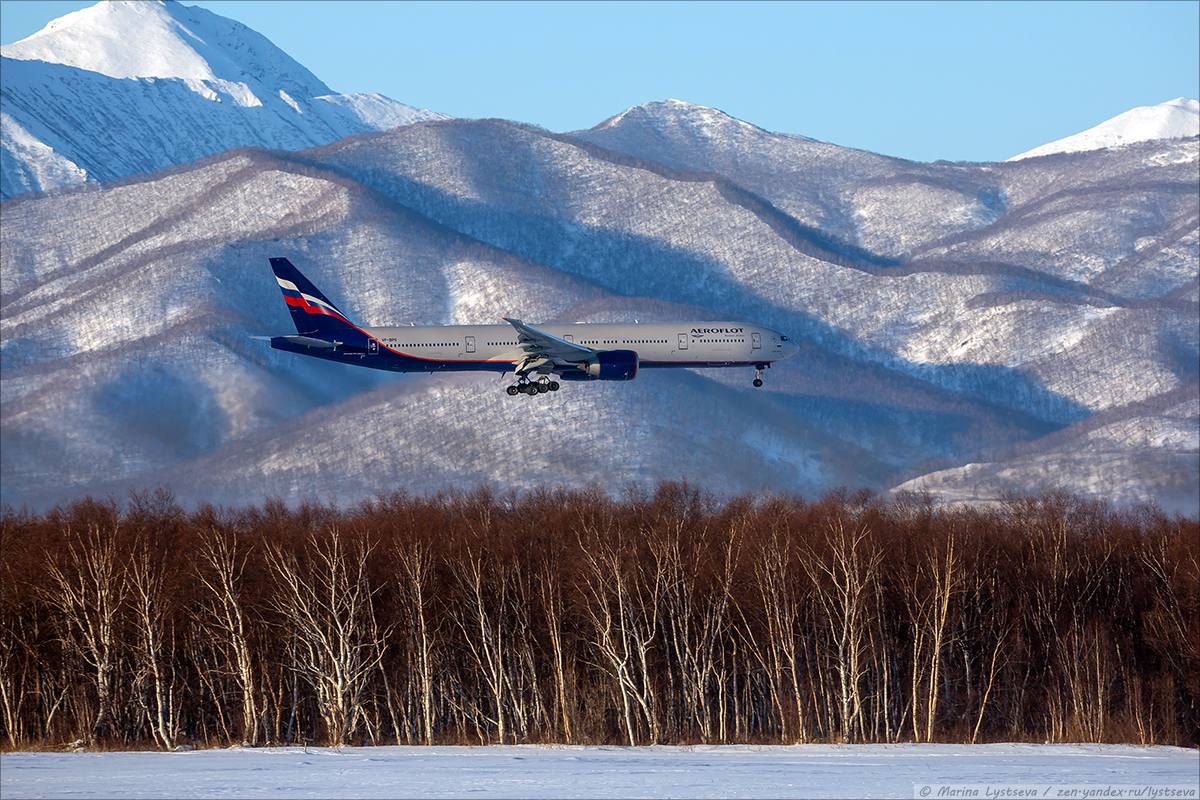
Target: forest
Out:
[664,616]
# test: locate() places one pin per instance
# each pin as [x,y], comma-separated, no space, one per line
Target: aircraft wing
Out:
[539,344]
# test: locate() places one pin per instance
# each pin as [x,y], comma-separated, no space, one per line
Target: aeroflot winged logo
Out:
[705,331]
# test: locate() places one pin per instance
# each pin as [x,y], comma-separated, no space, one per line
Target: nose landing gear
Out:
[758,371]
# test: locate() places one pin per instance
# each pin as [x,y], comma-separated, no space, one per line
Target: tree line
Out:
[572,616]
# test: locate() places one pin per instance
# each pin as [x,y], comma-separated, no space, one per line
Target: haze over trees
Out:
[575,617]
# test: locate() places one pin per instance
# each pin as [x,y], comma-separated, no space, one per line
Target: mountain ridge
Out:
[943,411]
[968,330]
[74,111]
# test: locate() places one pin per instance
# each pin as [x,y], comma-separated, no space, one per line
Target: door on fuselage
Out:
[470,344]
[756,341]
[683,341]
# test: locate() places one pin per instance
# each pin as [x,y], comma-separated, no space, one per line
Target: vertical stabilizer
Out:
[312,312]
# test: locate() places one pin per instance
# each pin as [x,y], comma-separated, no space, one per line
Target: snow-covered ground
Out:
[543,771]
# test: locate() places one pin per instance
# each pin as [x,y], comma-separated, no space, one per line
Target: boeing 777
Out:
[539,356]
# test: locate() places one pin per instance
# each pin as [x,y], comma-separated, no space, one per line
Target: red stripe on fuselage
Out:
[300,302]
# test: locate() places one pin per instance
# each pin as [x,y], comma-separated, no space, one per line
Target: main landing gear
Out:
[531,388]
[758,371]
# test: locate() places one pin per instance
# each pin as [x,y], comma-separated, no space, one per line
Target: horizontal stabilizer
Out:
[307,341]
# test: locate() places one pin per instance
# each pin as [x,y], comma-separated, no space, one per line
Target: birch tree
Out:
[87,589]
[155,643]
[841,575]
[326,601]
[221,569]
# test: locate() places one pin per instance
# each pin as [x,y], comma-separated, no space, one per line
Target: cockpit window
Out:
[783,338]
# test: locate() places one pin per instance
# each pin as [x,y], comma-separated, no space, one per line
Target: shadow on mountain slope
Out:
[626,263]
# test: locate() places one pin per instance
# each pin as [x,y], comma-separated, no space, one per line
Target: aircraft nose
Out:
[789,347]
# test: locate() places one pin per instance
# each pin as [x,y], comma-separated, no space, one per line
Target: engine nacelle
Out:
[613,365]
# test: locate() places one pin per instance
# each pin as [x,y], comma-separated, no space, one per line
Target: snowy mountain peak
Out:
[156,39]
[676,112]
[127,88]
[1185,103]
[1173,119]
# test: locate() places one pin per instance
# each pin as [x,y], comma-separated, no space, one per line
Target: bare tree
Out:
[485,582]
[156,642]
[12,678]
[554,609]
[87,588]
[664,618]
[622,608]
[930,592]
[841,576]
[415,560]
[221,569]
[695,615]
[326,603]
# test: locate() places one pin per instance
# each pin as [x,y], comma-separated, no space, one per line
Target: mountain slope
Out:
[144,296]
[79,104]
[965,329]
[1159,441]
[85,342]
[1178,118]
[900,211]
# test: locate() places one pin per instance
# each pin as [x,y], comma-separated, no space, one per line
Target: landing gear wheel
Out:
[512,390]
[530,389]
[758,371]
[553,386]
[758,383]
[543,388]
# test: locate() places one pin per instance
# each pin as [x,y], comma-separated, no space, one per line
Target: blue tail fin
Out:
[312,313]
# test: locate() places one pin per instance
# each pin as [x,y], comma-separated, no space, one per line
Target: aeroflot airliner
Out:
[539,357]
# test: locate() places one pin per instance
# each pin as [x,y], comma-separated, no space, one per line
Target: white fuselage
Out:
[578,352]
[675,344]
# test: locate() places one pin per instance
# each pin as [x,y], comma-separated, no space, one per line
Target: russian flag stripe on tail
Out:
[312,312]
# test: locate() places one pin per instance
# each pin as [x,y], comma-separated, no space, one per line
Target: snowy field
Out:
[540,771]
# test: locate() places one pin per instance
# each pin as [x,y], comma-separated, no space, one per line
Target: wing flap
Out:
[538,343]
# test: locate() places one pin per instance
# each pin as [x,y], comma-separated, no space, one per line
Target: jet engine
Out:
[613,365]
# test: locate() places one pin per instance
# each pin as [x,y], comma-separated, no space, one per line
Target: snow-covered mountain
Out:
[132,86]
[155,39]
[967,329]
[1170,120]
[1037,318]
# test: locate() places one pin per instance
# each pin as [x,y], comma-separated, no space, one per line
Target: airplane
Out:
[538,356]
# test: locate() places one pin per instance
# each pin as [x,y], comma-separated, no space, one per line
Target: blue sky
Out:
[976,81]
